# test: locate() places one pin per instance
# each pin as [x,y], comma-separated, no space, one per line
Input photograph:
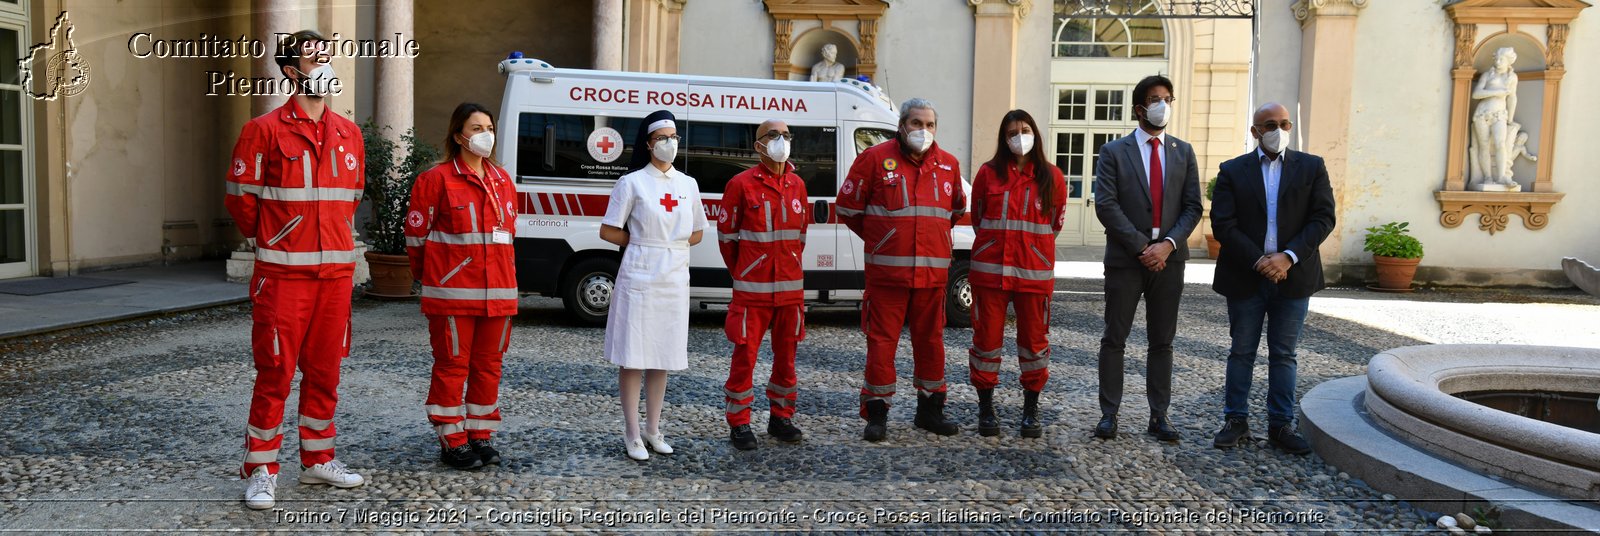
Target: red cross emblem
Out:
[605,144]
[668,201]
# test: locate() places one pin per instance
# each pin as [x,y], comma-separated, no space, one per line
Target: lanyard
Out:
[494,196]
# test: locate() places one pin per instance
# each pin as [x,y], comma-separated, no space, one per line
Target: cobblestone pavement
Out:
[139,426]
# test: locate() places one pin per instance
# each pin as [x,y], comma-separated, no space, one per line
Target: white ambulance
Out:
[566,135]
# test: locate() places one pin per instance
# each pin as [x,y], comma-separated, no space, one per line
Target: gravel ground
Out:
[138,426]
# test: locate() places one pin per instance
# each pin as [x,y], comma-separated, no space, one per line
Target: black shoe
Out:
[988,424]
[1162,429]
[930,415]
[784,430]
[877,421]
[460,457]
[1107,429]
[1031,427]
[1236,428]
[485,450]
[742,437]
[1287,439]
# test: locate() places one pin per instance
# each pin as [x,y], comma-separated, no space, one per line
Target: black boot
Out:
[988,424]
[460,457]
[1031,427]
[485,450]
[783,430]
[742,438]
[930,415]
[877,421]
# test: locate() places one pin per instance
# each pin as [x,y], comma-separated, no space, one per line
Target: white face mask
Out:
[1021,144]
[920,140]
[319,82]
[778,150]
[481,144]
[665,150]
[1158,114]
[1275,141]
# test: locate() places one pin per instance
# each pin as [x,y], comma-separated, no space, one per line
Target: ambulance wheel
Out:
[587,291]
[958,297]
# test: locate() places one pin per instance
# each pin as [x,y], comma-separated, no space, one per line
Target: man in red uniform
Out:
[293,186]
[902,197]
[762,234]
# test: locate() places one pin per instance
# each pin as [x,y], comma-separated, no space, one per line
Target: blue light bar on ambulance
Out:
[873,90]
[516,63]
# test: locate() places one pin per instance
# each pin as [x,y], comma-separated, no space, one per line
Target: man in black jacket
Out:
[1271,210]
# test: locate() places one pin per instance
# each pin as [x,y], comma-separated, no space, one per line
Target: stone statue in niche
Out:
[829,69]
[1494,131]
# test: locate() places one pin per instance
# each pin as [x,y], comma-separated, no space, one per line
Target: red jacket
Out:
[450,231]
[762,233]
[903,211]
[293,186]
[1016,243]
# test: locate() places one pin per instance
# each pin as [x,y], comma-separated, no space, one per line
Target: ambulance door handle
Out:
[819,211]
[549,146]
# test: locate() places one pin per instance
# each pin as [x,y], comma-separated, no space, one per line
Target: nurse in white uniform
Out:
[655,215]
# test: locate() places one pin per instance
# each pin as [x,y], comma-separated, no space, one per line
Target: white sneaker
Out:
[658,443]
[332,473]
[636,450]
[261,492]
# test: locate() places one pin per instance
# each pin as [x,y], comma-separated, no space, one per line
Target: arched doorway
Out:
[1099,50]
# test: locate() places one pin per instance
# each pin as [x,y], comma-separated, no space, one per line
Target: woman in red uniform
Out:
[458,237]
[1017,203]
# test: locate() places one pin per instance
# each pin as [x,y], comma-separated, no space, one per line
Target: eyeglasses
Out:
[1275,125]
[773,135]
[657,139]
[1154,99]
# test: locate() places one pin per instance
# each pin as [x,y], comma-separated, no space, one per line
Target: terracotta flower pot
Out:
[391,275]
[1395,273]
[1213,246]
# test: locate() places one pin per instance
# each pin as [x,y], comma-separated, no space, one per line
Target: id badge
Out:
[501,235]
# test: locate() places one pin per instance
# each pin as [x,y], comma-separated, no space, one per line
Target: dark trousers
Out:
[1161,292]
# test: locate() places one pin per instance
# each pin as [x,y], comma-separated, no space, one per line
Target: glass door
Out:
[16,188]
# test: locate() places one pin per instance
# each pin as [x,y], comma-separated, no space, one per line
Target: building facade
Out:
[114,155]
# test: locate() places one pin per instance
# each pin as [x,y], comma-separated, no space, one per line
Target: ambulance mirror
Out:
[819,211]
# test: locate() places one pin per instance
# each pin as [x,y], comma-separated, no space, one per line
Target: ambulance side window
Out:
[718,151]
[557,146]
[868,137]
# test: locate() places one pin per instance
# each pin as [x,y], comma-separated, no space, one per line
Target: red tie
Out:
[1155,182]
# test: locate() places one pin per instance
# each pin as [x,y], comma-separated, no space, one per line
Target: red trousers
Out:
[884,312]
[467,352]
[988,332]
[302,323]
[745,327]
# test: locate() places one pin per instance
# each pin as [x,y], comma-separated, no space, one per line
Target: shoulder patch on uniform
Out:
[238,167]
[889,164]
[414,219]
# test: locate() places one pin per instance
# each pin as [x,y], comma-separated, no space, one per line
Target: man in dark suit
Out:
[1145,248]
[1271,210]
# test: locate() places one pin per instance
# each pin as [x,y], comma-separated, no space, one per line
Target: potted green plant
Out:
[1213,246]
[1395,253]
[389,180]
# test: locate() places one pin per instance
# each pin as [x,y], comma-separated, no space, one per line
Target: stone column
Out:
[270,17]
[1327,74]
[653,35]
[607,52]
[994,69]
[395,106]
